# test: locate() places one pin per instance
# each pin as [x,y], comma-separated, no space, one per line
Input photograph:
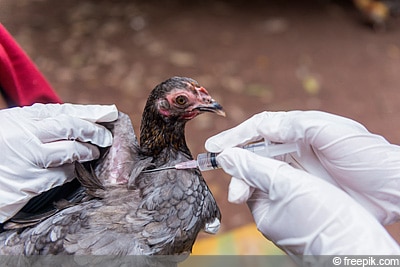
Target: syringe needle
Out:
[208,161]
[159,169]
[191,164]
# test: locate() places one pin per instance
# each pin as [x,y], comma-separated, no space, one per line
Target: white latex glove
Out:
[337,150]
[303,214]
[39,144]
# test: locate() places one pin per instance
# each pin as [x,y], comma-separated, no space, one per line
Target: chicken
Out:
[122,210]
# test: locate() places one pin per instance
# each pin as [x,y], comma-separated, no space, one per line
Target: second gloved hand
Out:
[39,145]
[303,214]
[333,148]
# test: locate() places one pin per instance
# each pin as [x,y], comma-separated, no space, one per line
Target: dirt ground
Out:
[250,55]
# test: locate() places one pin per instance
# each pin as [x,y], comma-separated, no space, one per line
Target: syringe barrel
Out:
[282,149]
[207,161]
[270,150]
[259,148]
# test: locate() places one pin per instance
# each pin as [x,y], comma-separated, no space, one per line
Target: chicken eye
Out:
[181,100]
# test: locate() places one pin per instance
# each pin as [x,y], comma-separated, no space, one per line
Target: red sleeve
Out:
[21,82]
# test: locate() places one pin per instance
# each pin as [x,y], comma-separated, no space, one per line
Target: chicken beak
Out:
[213,107]
[207,103]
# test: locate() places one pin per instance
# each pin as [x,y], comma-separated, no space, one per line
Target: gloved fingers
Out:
[286,127]
[243,164]
[64,127]
[46,179]
[93,113]
[245,132]
[315,128]
[363,164]
[310,217]
[29,182]
[239,191]
[335,149]
[258,172]
[300,212]
[59,153]
[259,204]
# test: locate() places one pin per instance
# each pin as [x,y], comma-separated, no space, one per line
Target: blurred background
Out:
[250,55]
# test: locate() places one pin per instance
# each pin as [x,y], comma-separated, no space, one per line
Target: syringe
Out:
[208,161]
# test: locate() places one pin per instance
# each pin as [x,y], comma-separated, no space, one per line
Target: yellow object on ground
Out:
[246,240]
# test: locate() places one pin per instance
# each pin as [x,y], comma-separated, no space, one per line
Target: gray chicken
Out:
[122,210]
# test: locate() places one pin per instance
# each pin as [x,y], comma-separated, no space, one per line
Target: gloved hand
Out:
[311,214]
[39,144]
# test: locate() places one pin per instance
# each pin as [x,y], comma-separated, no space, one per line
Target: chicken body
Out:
[131,212]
